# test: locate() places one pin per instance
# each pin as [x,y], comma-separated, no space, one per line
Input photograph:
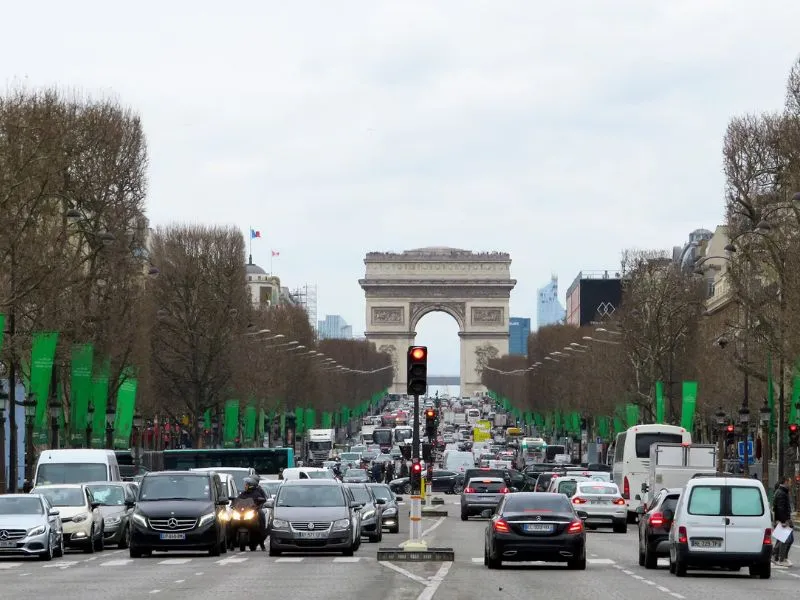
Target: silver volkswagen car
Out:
[30,526]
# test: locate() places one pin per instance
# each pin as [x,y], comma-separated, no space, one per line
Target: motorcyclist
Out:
[253,491]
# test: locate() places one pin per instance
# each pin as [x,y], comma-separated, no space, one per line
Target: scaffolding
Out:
[306,296]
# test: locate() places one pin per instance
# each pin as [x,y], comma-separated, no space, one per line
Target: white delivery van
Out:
[79,465]
[307,473]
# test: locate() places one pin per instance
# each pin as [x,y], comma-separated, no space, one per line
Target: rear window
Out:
[536,503]
[484,486]
[746,502]
[567,487]
[598,489]
[645,440]
[705,500]
[670,503]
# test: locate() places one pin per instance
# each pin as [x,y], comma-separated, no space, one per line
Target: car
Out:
[722,522]
[80,515]
[599,503]
[116,500]
[482,493]
[371,510]
[313,515]
[535,526]
[31,526]
[654,525]
[391,510]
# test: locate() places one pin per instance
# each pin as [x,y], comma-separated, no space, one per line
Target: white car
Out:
[599,503]
[80,515]
[722,522]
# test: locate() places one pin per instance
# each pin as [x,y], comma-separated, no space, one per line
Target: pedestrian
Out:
[782,513]
[403,469]
[389,472]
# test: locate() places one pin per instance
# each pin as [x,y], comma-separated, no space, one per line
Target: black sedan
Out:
[654,526]
[530,526]
[447,482]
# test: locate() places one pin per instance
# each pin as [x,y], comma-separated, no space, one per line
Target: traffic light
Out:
[730,430]
[405,450]
[417,370]
[416,477]
[427,453]
[794,434]
[430,423]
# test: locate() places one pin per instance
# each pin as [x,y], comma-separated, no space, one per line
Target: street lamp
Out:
[89,424]
[30,416]
[3,405]
[54,408]
[110,416]
[137,427]
[722,420]
[765,416]
[744,421]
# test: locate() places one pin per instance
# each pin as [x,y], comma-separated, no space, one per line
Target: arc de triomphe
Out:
[473,288]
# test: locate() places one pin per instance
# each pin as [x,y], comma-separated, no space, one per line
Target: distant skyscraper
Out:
[548,309]
[334,327]
[519,329]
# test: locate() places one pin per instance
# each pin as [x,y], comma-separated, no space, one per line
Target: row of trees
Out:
[77,256]
[667,329]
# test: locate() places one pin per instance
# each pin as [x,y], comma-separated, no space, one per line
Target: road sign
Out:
[750,449]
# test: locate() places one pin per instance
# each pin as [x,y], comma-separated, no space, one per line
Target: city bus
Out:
[266,461]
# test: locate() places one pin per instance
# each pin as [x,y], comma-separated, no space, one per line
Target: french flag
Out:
[254,234]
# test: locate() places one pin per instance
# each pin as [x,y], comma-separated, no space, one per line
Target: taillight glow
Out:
[619,501]
[767,537]
[505,491]
[578,500]
[575,527]
[657,520]
[683,538]
[469,490]
[626,488]
[501,526]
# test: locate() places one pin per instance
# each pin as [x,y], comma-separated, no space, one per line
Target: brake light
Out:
[626,488]
[501,526]
[469,490]
[657,520]
[767,537]
[619,501]
[575,527]
[505,491]
[683,538]
[578,500]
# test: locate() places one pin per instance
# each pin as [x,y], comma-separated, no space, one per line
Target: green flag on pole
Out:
[43,354]
[689,405]
[80,391]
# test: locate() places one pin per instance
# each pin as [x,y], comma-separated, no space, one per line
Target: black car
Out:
[391,510]
[447,482]
[356,476]
[530,526]
[177,510]
[654,526]
[371,510]
[117,500]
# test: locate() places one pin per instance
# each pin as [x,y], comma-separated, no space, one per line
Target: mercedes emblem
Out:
[310,526]
[3,535]
[172,523]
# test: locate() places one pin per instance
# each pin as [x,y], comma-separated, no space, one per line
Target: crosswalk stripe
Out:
[9,565]
[175,561]
[60,565]
[347,559]
[232,560]
[591,561]
[600,561]
[292,559]
[117,563]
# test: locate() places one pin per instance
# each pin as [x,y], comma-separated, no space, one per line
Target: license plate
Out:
[311,535]
[173,536]
[599,501]
[707,543]
[487,498]
[8,544]
[538,528]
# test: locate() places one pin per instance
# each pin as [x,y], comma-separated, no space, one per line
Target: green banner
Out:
[126,406]
[299,421]
[250,418]
[43,353]
[689,405]
[659,401]
[80,391]
[794,417]
[231,424]
[311,418]
[327,420]
[632,414]
[99,395]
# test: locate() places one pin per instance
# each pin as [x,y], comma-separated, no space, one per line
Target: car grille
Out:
[173,524]
[12,534]
[317,525]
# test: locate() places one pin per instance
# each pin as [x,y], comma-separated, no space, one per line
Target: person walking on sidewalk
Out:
[782,511]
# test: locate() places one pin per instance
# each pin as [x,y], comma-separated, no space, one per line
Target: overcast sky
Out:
[561,132]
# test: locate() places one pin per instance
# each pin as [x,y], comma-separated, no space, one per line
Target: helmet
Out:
[250,484]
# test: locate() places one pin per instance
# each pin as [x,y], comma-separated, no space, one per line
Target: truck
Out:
[673,465]
[319,445]
[366,434]
[500,420]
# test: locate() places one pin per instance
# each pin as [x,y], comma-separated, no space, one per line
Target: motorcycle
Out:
[246,529]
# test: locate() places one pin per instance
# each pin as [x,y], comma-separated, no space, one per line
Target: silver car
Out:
[600,504]
[482,494]
[30,526]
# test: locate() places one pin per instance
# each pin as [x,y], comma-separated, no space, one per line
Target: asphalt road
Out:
[612,573]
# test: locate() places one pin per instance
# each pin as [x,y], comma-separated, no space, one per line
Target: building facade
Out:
[593,296]
[519,328]
[548,308]
[265,290]
[334,327]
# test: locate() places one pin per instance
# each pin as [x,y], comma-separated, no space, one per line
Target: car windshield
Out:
[53,473]
[20,506]
[62,496]
[536,502]
[356,473]
[108,495]
[310,495]
[175,487]
[326,474]
[597,489]
[270,487]
[382,492]
[360,494]
[238,475]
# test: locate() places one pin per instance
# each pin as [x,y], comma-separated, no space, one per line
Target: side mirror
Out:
[398,499]
[513,489]
[380,501]
[640,510]
[355,505]
[53,512]
[487,514]
[130,504]
[669,515]
[270,503]
[95,505]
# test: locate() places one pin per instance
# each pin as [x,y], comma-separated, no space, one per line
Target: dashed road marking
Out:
[120,562]
[290,559]
[347,559]
[10,565]
[179,580]
[175,561]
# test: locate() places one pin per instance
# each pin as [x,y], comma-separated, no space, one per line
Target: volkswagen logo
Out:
[538,518]
[172,523]
[3,535]
[310,526]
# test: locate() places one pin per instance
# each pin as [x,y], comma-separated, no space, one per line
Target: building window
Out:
[711,288]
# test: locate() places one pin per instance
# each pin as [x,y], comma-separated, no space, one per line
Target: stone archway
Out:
[473,288]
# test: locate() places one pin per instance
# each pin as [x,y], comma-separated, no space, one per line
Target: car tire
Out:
[214,550]
[407,489]
[124,541]
[680,568]
[464,516]
[89,549]
[620,527]
[273,551]
[650,558]
[763,571]
[59,552]
[578,564]
[395,529]
[457,488]
[492,563]
[641,554]
[100,542]
[135,552]
[47,555]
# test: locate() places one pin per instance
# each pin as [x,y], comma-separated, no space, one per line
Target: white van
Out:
[458,462]
[80,465]
[722,522]
[632,458]
[307,473]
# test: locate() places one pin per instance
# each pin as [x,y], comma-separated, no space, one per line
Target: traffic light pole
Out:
[415,518]
[415,453]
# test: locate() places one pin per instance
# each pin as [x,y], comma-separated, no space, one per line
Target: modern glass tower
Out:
[548,308]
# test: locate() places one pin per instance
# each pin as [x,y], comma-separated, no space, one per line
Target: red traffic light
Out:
[416,467]
[793,428]
[730,428]
[418,352]
[430,414]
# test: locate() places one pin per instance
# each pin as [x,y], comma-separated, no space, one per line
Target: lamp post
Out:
[54,408]
[137,436]
[744,422]
[110,416]
[764,416]
[3,405]
[30,415]
[89,425]
[722,420]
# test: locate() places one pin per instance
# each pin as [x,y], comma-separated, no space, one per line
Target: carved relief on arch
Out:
[457,310]
[391,350]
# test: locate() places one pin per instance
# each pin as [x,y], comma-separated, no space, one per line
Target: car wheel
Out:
[47,555]
[457,488]
[89,549]
[491,562]
[680,568]
[273,551]
[135,552]
[59,551]
[464,516]
[214,550]
[577,565]
[395,529]
[641,554]
[650,558]
[100,542]
[407,489]
[124,539]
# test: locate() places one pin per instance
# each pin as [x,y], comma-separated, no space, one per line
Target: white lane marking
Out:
[661,588]
[627,572]
[477,560]
[435,582]
[402,571]
[120,562]
[434,526]
[175,561]
[9,565]
[154,591]
[233,560]
[677,595]
[639,577]
[198,574]
[593,555]
[61,565]
[600,561]
[347,559]
[179,580]
[648,582]
[290,559]
[24,574]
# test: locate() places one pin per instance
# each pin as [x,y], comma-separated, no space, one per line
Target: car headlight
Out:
[389,512]
[368,515]
[112,520]
[224,516]
[236,515]
[139,519]
[250,514]
[341,524]
[205,519]
[80,518]
[37,530]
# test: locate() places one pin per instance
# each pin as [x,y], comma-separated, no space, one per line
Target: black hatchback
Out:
[535,526]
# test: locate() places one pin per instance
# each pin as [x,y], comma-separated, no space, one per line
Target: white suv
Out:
[722,522]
